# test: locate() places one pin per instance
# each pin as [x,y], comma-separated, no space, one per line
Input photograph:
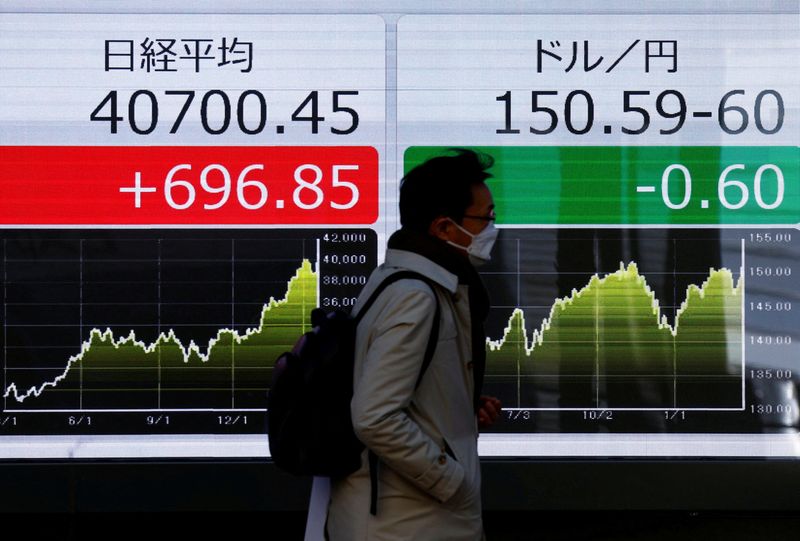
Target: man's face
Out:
[476,218]
[481,212]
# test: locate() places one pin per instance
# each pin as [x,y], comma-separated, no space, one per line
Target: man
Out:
[424,437]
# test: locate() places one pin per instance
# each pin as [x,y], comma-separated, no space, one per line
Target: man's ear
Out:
[440,228]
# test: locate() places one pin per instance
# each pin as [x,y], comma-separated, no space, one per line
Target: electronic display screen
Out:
[180,189]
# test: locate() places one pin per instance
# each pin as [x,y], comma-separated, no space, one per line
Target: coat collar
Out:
[417,263]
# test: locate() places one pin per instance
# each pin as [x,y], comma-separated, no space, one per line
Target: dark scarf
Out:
[443,255]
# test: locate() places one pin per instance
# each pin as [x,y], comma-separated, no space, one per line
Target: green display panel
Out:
[634,185]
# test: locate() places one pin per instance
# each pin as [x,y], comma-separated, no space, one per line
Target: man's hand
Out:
[489,411]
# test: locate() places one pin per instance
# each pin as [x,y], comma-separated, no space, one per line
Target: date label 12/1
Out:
[188,185]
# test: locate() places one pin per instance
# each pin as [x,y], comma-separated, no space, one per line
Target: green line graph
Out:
[613,328]
[110,368]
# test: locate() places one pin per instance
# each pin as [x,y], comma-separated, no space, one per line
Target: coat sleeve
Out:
[391,366]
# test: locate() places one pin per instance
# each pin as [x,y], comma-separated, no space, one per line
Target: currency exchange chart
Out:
[647,186]
[180,189]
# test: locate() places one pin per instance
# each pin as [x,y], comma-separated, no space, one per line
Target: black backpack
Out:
[309,424]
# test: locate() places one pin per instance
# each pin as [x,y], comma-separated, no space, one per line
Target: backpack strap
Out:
[434,336]
[430,349]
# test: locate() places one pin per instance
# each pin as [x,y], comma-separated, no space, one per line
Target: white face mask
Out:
[480,249]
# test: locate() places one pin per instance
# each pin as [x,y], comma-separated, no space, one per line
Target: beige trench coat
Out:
[426,440]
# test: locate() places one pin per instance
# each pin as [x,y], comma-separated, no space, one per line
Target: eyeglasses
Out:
[490,218]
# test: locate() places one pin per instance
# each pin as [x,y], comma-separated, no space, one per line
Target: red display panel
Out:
[244,185]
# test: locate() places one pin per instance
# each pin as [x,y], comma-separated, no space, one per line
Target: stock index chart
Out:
[108,332]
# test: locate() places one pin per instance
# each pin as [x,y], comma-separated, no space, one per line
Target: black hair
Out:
[441,186]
